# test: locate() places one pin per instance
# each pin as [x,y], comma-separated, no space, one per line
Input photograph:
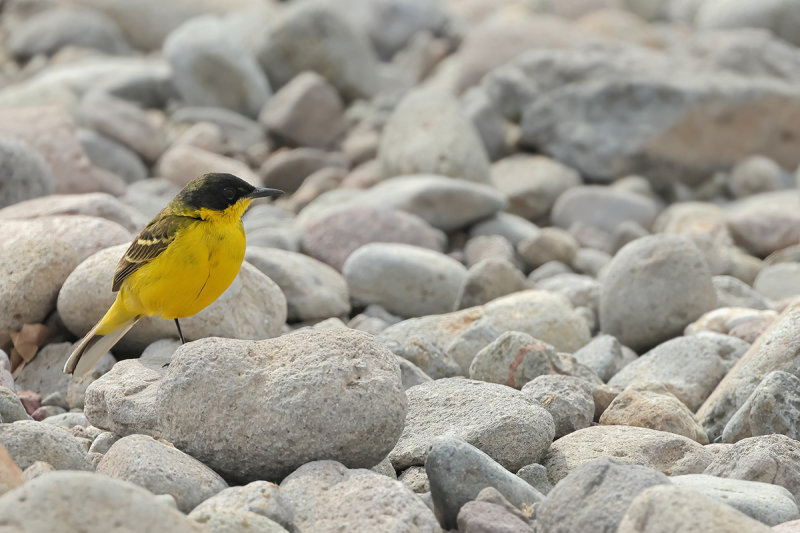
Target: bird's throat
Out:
[230,214]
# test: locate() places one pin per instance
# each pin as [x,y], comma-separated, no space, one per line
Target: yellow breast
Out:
[193,271]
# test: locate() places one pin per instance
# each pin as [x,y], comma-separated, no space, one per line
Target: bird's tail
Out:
[94,345]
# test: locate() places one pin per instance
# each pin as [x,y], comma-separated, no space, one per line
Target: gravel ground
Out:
[537,268]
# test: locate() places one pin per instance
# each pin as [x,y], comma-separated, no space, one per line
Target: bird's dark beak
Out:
[264,193]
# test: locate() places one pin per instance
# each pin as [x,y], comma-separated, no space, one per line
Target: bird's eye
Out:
[229,193]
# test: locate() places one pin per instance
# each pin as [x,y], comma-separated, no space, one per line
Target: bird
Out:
[180,263]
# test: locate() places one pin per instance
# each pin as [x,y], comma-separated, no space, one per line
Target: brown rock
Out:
[364,176]
[182,163]
[10,473]
[31,401]
[651,405]
[767,222]
[550,244]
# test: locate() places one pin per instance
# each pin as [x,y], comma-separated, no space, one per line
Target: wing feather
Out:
[149,244]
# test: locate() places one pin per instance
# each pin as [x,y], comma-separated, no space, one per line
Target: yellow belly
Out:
[190,274]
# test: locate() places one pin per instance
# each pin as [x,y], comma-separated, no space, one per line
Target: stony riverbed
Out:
[537,268]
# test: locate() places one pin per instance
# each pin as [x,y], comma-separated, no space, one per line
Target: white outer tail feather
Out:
[92,347]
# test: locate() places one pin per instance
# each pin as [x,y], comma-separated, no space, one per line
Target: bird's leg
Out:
[183,341]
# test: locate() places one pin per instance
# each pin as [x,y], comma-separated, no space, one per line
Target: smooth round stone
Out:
[605,355]
[496,419]
[239,131]
[777,16]
[25,173]
[393,24]
[668,453]
[669,504]
[44,374]
[582,291]
[288,169]
[428,134]
[733,292]
[50,248]
[307,111]
[51,131]
[212,68]
[753,175]
[11,408]
[314,36]
[778,281]
[651,405]
[312,288]
[112,156]
[444,203]
[459,471]
[123,122]
[53,29]
[532,183]
[334,236]
[405,280]
[240,520]
[483,247]
[661,268]
[161,469]
[83,501]
[440,345]
[603,208]
[765,223]
[543,315]
[767,503]
[492,127]
[549,244]
[512,227]
[93,204]
[123,400]
[181,163]
[488,279]
[28,441]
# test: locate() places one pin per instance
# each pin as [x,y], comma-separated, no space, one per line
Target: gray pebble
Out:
[496,419]
[568,400]
[458,471]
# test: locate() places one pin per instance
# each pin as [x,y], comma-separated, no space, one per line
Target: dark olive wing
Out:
[153,239]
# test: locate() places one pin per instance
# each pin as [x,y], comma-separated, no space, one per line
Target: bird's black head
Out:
[218,191]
